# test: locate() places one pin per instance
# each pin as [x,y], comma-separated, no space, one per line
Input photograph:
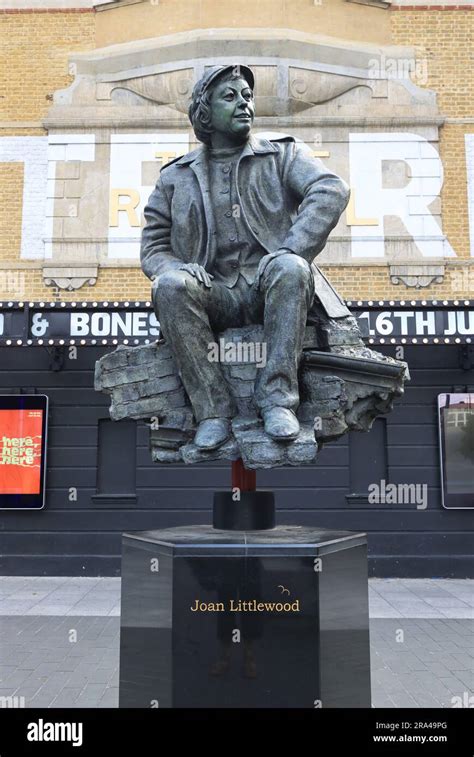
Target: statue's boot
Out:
[280,423]
[212,432]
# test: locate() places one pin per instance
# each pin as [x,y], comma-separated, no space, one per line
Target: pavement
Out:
[59,642]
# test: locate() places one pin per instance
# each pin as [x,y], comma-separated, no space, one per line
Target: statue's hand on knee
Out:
[199,273]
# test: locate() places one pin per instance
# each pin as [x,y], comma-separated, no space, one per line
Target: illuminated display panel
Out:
[456,427]
[23,431]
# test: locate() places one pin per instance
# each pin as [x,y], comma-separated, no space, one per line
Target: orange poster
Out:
[20,451]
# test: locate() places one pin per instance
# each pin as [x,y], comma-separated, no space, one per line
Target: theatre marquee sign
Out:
[133,323]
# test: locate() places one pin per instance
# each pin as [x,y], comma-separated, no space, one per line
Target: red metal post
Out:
[242,478]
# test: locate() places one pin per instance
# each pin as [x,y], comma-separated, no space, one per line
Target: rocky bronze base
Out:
[343,386]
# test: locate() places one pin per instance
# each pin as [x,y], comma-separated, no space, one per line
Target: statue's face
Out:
[232,109]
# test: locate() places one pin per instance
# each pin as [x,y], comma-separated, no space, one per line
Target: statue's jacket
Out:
[288,199]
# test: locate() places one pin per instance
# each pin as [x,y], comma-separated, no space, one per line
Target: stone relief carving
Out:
[69,279]
[293,70]
[417,276]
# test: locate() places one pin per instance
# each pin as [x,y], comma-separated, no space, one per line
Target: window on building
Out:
[116,459]
[456,432]
[367,460]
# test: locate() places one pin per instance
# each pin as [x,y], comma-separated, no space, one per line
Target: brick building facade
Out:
[38,50]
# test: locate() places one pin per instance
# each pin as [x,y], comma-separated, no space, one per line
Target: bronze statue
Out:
[232,230]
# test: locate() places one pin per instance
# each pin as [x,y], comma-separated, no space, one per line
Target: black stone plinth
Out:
[282,618]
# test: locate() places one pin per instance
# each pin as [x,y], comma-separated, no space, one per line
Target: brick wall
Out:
[34,64]
[352,282]
[446,38]
[34,58]
[113,284]
[373,283]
